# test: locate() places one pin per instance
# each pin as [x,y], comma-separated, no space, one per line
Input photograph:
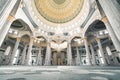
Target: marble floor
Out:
[59,73]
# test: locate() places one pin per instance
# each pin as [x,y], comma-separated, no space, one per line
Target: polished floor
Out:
[59,73]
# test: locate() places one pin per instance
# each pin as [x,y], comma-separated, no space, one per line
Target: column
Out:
[101,51]
[112,11]
[69,55]
[29,53]
[88,61]
[39,58]
[111,56]
[23,55]
[4,30]
[93,54]
[7,51]
[114,38]
[107,58]
[54,58]
[78,58]
[62,58]
[7,54]
[48,55]
[15,49]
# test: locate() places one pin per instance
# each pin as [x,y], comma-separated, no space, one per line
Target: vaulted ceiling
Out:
[59,11]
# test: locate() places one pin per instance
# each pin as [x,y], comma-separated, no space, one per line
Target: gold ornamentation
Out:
[59,11]
[11,18]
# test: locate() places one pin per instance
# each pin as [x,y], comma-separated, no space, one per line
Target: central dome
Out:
[59,1]
[59,11]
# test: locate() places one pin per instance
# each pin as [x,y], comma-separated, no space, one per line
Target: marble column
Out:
[4,30]
[7,54]
[29,53]
[88,61]
[7,51]
[39,58]
[48,55]
[62,58]
[101,51]
[54,58]
[23,55]
[69,55]
[114,38]
[78,58]
[111,56]
[14,50]
[107,58]
[93,54]
[112,10]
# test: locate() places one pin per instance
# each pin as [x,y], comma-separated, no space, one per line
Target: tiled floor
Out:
[59,73]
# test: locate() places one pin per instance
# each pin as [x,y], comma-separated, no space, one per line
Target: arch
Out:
[25,38]
[77,40]
[94,26]
[22,26]
[76,37]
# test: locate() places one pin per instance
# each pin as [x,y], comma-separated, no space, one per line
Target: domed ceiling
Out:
[59,11]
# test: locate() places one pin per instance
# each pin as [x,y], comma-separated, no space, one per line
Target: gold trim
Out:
[104,19]
[11,18]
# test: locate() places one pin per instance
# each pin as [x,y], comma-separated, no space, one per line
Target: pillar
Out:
[39,58]
[88,61]
[7,51]
[111,9]
[7,54]
[114,38]
[111,56]
[15,49]
[62,58]
[23,55]
[69,55]
[29,53]
[54,58]
[4,30]
[48,55]
[107,58]
[101,51]
[93,54]
[78,58]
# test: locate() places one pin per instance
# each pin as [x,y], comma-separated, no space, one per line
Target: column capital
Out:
[84,38]
[11,18]
[90,43]
[97,39]
[18,38]
[26,43]
[104,19]
[32,37]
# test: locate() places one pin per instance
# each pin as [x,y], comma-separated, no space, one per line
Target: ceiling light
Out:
[33,13]
[82,18]
[42,31]
[41,23]
[39,30]
[44,25]
[106,32]
[10,31]
[35,40]
[48,27]
[100,33]
[38,41]
[38,20]
[15,32]
[35,17]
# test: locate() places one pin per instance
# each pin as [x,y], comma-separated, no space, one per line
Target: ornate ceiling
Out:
[59,11]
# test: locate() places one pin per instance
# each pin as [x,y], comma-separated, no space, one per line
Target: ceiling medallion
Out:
[59,11]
